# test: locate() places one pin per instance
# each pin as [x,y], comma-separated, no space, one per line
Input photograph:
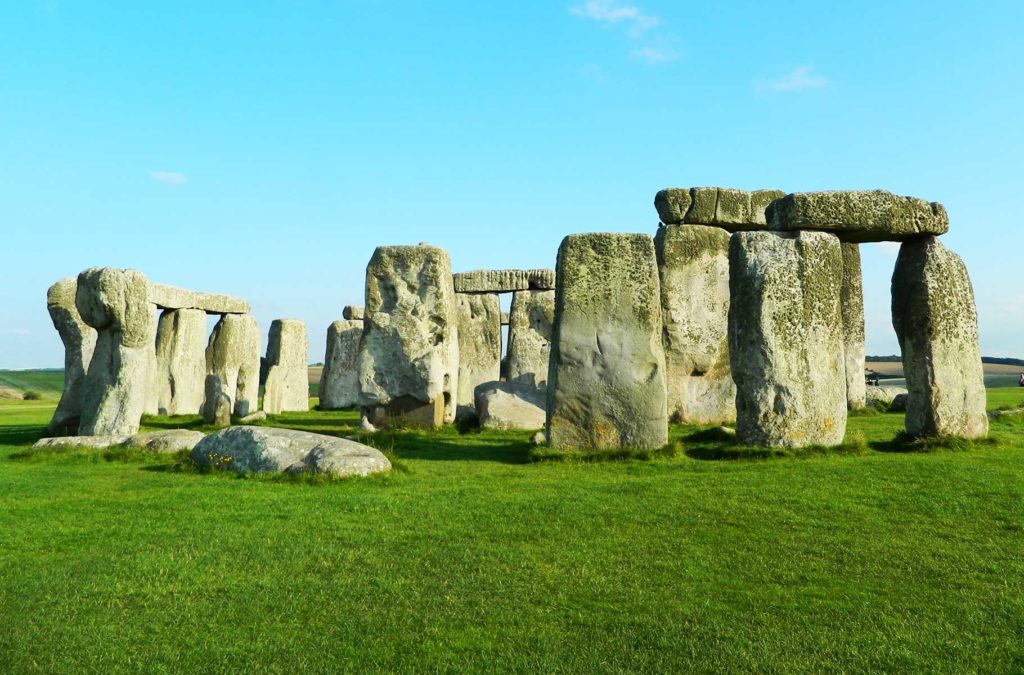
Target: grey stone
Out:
[539,438]
[169,442]
[693,262]
[936,323]
[258,416]
[504,281]
[859,215]
[505,317]
[339,380]
[233,355]
[409,350]
[217,402]
[606,386]
[852,308]
[728,208]
[786,338]
[503,405]
[899,403]
[287,386]
[181,361]
[479,343]
[248,449]
[94,442]
[529,337]
[353,313]
[79,340]
[364,425]
[171,297]
[882,396]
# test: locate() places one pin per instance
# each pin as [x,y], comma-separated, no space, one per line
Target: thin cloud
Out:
[652,56]
[803,77]
[890,249]
[169,177]
[613,12]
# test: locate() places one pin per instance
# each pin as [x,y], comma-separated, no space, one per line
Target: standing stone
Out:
[693,261]
[152,397]
[409,352]
[786,338]
[217,406]
[181,361]
[852,306]
[529,338]
[233,355]
[479,343]
[79,341]
[936,322]
[287,387]
[114,390]
[339,381]
[606,386]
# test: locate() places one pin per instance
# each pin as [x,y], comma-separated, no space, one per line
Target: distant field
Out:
[996,375]
[47,382]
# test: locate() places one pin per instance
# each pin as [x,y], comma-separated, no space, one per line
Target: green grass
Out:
[471,557]
[47,382]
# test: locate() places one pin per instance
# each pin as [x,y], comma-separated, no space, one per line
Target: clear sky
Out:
[264,149]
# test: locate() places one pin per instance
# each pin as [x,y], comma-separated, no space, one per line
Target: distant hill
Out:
[48,382]
[994,360]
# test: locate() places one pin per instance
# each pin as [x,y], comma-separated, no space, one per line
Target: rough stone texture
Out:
[882,396]
[116,385]
[151,404]
[504,281]
[504,405]
[287,386]
[171,297]
[728,208]
[170,441]
[786,338]
[859,215]
[852,308]
[79,341]
[181,361]
[606,386]
[233,355]
[899,403]
[693,261]
[936,323]
[529,337]
[353,313]
[96,442]
[505,317]
[339,380]
[409,351]
[479,343]
[257,416]
[217,403]
[266,449]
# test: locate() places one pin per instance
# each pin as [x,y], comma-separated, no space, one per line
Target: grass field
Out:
[49,383]
[470,557]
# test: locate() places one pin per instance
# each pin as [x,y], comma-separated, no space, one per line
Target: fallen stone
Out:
[166,442]
[859,215]
[529,338]
[607,372]
[233,355]
[693,263]
[79,340]
[171,297]
[181,362]
[339,380]
[287,386]
[728,208]
[94,442]
[479,343]
[936,322]
[852,308]
[247,449]
[353,313]
[503,405]
[504,281]
[407,412]
[364,425]
[786,338]
[899,403]
[258,416]
[882,396]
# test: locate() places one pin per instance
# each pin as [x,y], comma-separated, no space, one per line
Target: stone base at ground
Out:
[406,411]
[170,441]
[503,405]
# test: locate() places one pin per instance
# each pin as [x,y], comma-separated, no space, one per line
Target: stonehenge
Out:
[852,309]
[339,381]
[529,338]
[479,317]
[859,215]
[287,385]
[79,340]
[503,281]
[181,361]
[233,358]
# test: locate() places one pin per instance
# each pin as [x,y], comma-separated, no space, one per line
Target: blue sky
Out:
[264,149]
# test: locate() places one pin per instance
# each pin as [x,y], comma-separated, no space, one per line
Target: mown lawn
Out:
[469,557]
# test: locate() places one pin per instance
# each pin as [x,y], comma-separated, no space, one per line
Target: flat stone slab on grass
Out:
[270,450]
[504,405]
[170,441]
[859,215]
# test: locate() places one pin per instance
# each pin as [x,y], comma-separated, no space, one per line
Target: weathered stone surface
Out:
[899,403]
[504,405]
[882,396]
[529,337]
[693,262]
[233,355]
[266,449]
[504,281]
[859,215]
[257,416]
[479,343]
[95,442]
[505,317]
[217,403]
[181,361]
[786,338]
[151,405]
[287,386]
[607,372]
[79,340]
[170,441]
[410,346]
[407,412]
[728,208]
[171,297]
[339,380]
[936,323]
[353,313]
[852,308]
[118,381]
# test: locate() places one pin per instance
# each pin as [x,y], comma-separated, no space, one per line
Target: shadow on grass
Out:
[443,446]
[19,434]
[714,445]
[903,442]
[543,454]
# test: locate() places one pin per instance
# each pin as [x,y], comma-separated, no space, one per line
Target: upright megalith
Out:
[181,361]
[339,380]
[115,303]
[852,308]
[936,322]
[287,386]
[233,356]
[479,343]
[693,263]
[529,338]
[606,383]
[786,338]
[409,351]
[79,340]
